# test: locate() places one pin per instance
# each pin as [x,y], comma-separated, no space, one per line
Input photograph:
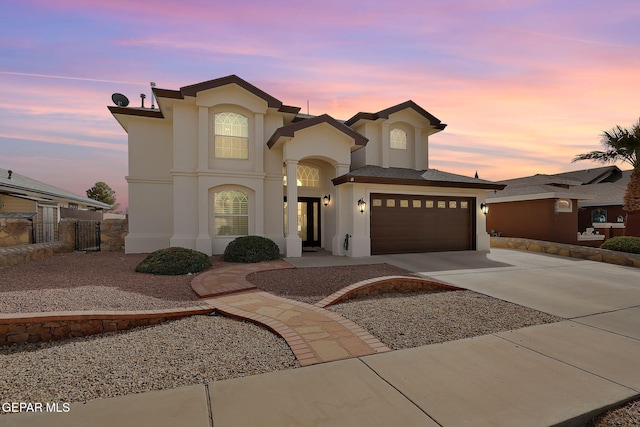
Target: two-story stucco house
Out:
[222,159]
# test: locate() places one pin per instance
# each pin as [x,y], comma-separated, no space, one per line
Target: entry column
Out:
[293,241]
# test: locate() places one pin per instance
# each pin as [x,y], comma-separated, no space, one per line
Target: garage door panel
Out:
[402,224]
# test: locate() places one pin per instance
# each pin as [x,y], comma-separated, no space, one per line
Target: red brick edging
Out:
[384,285]
[53,326]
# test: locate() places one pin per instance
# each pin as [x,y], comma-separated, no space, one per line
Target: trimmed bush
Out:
[174,262]
[251,249]
[628,244]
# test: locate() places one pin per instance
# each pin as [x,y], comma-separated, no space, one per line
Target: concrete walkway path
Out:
[315,335]
[546,375]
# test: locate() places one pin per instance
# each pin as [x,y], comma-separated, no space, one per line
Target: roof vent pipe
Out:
[153,85]
[10,173]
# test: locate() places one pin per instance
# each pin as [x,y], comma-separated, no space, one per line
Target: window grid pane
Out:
[231,137]
[398,139]
[308,176]
[231,213]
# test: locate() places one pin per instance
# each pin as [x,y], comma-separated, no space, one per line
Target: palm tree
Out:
[623,144]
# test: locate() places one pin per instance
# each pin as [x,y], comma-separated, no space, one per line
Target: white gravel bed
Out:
[81,298]
[192,350]
[421,318]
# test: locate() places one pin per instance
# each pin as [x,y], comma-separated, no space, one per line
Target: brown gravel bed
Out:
[626,416]
[90,281]
[312,284]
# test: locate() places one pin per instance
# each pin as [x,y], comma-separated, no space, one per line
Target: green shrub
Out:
[623,244]
[174,262]
[251,249]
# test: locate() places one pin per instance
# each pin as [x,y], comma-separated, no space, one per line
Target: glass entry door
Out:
[308,220]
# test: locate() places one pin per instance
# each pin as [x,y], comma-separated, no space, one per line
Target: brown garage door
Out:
[404,223]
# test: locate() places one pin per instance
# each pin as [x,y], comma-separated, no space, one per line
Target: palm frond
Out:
[619,144]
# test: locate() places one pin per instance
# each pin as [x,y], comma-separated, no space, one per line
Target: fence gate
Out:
[88,236]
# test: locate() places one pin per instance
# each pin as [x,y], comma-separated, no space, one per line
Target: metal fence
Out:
[87,236]
[44,232]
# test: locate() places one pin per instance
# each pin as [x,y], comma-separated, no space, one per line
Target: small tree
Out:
[103,193]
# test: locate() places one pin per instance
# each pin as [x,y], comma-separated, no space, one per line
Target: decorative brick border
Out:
[53,326]
[215,282]
[385,285]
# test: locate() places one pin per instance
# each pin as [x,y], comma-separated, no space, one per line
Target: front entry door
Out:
[308,220]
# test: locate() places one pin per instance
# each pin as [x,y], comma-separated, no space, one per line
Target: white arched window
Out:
[308,176]
[398,139]
[231,138]
[231,213]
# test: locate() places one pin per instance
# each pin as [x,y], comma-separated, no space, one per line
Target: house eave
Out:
[539,196]
[345,179]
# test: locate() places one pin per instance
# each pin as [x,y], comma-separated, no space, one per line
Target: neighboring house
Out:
[22,197]
[222,159]
[557,207]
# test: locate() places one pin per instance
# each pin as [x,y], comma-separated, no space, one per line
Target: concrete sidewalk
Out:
[554,374]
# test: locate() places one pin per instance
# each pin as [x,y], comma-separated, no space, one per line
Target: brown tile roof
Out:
[403,176]
[593,187]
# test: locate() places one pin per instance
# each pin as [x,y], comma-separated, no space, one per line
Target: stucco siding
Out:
[533,219]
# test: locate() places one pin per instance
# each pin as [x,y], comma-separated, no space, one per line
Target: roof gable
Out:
[384,114]
[289,131]
[272,102]
[194,89]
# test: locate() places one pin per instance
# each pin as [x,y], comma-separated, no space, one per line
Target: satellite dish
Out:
[120,100]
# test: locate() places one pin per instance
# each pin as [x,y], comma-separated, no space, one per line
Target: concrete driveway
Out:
[566,287]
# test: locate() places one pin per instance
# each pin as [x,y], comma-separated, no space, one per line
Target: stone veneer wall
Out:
[562,249]
[14,255]
[113,232]
[14,231]
[16,328]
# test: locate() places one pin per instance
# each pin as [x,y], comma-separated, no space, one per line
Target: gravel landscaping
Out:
[199,349]
[192,350]
[411,320]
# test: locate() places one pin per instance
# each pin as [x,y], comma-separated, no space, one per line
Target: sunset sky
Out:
[523,85]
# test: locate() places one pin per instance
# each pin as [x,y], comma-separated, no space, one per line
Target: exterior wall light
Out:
[362,205]
[326,199]
[484,208]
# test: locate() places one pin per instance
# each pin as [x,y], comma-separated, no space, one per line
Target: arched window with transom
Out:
[307,176]
[231,136]
[231,213]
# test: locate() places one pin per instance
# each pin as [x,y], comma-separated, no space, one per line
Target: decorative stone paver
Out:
[231,279]
[314,334]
